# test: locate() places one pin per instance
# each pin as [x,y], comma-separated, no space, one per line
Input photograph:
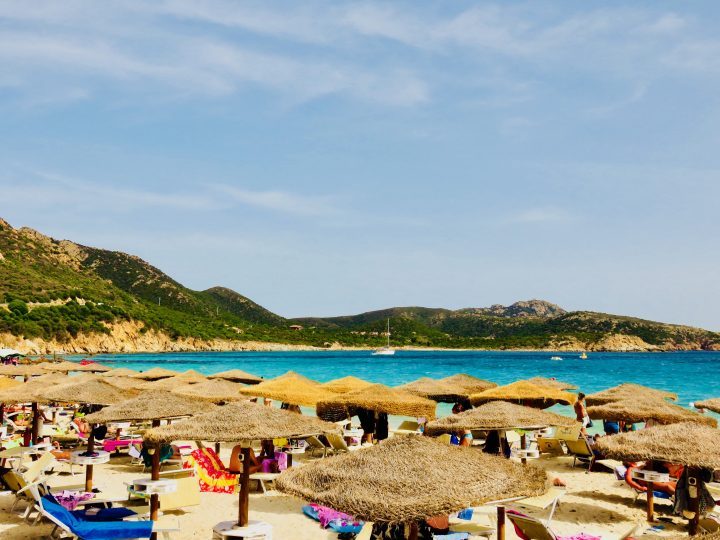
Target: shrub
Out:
[18,307]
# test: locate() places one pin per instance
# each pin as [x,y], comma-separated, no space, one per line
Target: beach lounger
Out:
[478,524]
[550,499]
[337,443]
[580,451]
[87,529]
[568,433]
[408,427]
[534,529]
[550,446]
[262,477]
[187,490]
[316,446]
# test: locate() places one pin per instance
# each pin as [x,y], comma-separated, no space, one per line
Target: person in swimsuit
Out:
[465,436]
[581,414]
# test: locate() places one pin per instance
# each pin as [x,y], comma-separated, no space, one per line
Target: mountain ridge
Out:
[61,294]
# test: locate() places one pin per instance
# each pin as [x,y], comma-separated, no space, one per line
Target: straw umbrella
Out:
[497,415]
[151,406]
[709,404]
[120,372]
[67,367]
[242,423]
[154,374]
[406,479]
[642,410]
[23,370]
[237,375]
[88,392]
[468,383]
[628,391]
[125,383]
[169,383]
[346,384]
[524,393]
[31,392]
[378,398]
[688,444]
[552,383]
[290,388]
[215,390]
[435,390]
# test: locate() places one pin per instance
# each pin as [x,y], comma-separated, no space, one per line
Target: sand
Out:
[595,503]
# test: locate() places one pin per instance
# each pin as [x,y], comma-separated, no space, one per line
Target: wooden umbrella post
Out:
[500,523]
[2,414]
[694,499]
[155,475]
[413,531]
[523,446]
[244,502]
[650,502]
[35,423]
[89,468]
[217,448]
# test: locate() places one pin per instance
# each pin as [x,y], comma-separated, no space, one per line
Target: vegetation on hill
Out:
[57,290]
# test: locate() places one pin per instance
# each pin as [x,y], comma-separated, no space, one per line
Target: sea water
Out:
[692,375]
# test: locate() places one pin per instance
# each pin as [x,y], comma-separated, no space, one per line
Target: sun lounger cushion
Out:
[112,444]
[98,530]
[211,472]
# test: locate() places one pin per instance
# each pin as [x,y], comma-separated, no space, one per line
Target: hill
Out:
[59,295]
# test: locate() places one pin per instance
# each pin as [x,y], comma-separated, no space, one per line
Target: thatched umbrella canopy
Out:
[290,388]
[169,383]
[23,370]
[8,382]
[642,410]
[687,444]
[346,384]
[150,405]
[125,383]
[155,373]
[92,392]
[435,390]
[628,391]
[552,383]
[238,422]
[120,372]
[497,415]
[524,393]
[237,375]
[67,367]
[406,479]
[468,383]
[31,392]
[709,404]
[378,398]
[215,390]
[242,422]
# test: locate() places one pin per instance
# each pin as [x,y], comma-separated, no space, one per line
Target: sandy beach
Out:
[595,503]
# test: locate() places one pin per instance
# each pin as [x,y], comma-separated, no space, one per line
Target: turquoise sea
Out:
[692,375]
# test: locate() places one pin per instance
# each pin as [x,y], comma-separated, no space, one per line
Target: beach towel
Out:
[70,499]
[211,472]
[682,497]
[332,519]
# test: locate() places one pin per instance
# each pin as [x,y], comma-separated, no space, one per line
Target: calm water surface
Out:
[692,375]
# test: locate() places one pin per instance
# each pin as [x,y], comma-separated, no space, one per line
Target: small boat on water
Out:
[387,350]
[583,356]
[556,358]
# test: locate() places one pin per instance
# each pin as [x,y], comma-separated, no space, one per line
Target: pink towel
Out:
[70,499]
[326,515]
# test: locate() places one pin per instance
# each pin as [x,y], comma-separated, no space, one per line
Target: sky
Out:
[333,158]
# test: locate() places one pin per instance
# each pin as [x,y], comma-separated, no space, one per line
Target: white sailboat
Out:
[387,350]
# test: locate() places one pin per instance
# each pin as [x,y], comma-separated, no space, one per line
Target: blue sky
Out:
[331,158]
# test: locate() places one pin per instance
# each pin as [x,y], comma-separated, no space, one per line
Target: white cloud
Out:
[540,215]
[281,201]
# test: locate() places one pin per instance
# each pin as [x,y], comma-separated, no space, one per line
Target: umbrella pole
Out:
[217,448]
[523,446]
[243,503]
[500,523]
[36,423]
[155,475]
[694,496]
[650,502]
[413,531]
[89,468]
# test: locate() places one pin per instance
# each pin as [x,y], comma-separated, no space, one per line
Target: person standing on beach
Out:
[581,414]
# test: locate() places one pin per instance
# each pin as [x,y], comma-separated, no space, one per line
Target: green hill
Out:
[59,292]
